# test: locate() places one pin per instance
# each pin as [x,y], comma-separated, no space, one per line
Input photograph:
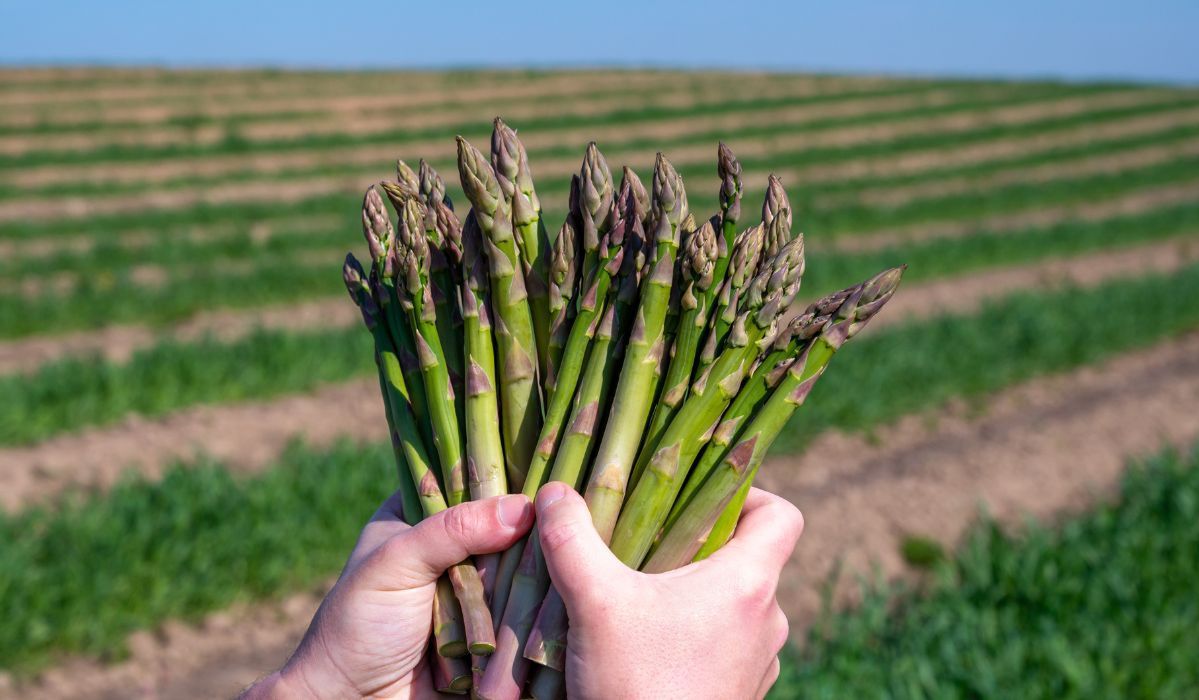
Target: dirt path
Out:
[1046,448]
[96,457]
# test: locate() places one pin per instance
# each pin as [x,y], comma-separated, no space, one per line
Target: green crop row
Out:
[556,186]
[183,249]
[1101,607]
[201,214]
[79,576]
[107,297]
[682,85]
[235,143]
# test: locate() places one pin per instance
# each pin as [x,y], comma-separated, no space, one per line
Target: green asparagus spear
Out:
[520,399]
[640,194]
[547,639]
[484,446]
[564,274]
[406,178]
[743,265]
[683,540]
[640,371]
[511,163]
[728,168]
[696,264]
[411,266]
[432,187]
[765,299]
[377,229]
[464,578]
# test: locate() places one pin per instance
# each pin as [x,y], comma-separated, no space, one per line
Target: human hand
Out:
[371,634]
[712,629]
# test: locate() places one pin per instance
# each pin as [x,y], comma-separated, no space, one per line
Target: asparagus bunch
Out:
[644,358]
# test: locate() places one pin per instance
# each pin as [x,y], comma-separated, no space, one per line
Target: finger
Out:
[771,677]
[766,534]
[574,553]
[384,524]
[417,556]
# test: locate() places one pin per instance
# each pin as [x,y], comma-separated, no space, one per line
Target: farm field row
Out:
[822,140]
[928,260]
[266,276]
[1098,605]
[192,434]
[550,130]
[193,249]
[1104,123]
[188,563]
[1136,401]
[95,457]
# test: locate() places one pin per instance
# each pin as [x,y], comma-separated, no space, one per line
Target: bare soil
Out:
[95,458]
[118,343]
[1044,449]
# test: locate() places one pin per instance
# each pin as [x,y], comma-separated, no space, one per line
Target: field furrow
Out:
[97,457]
[859,497]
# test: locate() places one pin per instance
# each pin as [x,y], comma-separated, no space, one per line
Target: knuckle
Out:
[460,523]
[789,517]
[756,592]
[558,536]
[782,631]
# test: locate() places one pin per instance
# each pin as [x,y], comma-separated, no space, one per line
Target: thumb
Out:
[418,556]
[580,564]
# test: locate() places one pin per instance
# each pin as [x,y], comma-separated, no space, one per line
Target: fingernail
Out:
[550,494]
[513,510]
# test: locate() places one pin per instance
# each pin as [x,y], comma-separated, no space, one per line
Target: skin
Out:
[370,636]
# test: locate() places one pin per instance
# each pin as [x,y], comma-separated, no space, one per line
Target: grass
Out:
[919,365]
[112,224]
[181,249]
[1095,118]
[74,393]
[234,143]
[1101,607]
[79,578]
[103,297]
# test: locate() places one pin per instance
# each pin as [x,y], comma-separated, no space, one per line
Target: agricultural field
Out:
[191,437]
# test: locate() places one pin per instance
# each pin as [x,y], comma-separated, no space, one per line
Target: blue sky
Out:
[1144,40]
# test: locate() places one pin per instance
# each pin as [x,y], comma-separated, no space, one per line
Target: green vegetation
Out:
[74,393]
[80,577]
[919,365]
[557,186]
[985,249]
[1103,606]
[1005,94]
[910,368]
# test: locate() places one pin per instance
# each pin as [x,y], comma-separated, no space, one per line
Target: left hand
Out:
[371,634]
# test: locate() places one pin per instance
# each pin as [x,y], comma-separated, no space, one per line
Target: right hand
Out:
[712,629]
